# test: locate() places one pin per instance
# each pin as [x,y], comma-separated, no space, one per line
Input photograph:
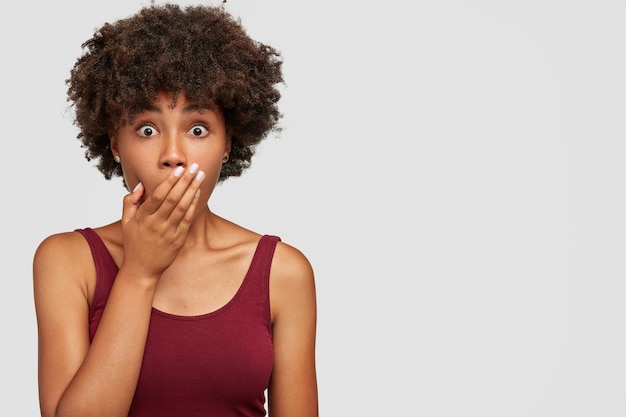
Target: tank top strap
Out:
[264,253]
[106,271]
[101,255]
[256,284]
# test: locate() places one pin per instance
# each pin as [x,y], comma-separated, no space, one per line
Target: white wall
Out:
[453,169]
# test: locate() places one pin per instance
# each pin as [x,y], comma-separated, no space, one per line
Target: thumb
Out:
[131,202]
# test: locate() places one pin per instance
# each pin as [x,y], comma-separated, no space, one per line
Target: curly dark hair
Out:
[201,51]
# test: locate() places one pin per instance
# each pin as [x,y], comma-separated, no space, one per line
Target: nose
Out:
[172,152]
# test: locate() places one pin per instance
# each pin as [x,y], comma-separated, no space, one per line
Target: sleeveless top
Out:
[215,364]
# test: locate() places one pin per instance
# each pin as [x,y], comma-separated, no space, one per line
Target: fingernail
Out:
[178,171]
[137,186]
[193,168]
[200,176]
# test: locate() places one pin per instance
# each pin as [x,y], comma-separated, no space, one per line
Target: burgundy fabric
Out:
[216,364]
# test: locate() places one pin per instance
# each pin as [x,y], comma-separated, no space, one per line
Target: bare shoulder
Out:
[290,267]
[292,300]
[61,257]
[60,247]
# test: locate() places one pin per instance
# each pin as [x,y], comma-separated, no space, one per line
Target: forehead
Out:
[165,101]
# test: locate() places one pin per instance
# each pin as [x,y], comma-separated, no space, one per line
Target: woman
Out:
[174,310]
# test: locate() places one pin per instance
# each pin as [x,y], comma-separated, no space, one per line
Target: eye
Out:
[146,131]
[198,131]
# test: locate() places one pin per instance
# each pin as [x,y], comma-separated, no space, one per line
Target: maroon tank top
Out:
[216,364]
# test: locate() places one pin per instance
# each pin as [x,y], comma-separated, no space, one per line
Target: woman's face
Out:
[165,136]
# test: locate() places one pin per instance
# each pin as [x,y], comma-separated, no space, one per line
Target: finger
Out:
[185,222]
[188,201]
[131,202]
[177,200]
[161,199]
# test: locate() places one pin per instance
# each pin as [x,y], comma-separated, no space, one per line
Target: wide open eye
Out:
[147,131]
[198,131]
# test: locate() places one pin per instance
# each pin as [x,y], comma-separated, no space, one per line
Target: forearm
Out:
[105,383]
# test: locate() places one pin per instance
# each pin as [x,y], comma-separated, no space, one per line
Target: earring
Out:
[225,159]
[117,158]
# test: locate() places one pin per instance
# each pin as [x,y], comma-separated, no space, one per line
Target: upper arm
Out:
[62,309]
[293,385]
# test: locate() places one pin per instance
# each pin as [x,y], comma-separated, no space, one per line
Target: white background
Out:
[454,170]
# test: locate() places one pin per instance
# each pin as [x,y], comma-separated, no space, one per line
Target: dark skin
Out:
[172,251]
[118,76]
[165,242]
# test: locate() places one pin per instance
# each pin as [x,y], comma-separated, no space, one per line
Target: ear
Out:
[113,143]
[229,144]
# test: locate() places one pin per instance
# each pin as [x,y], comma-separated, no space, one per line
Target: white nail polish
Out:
[193,168]
[178,171]
[200,176]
